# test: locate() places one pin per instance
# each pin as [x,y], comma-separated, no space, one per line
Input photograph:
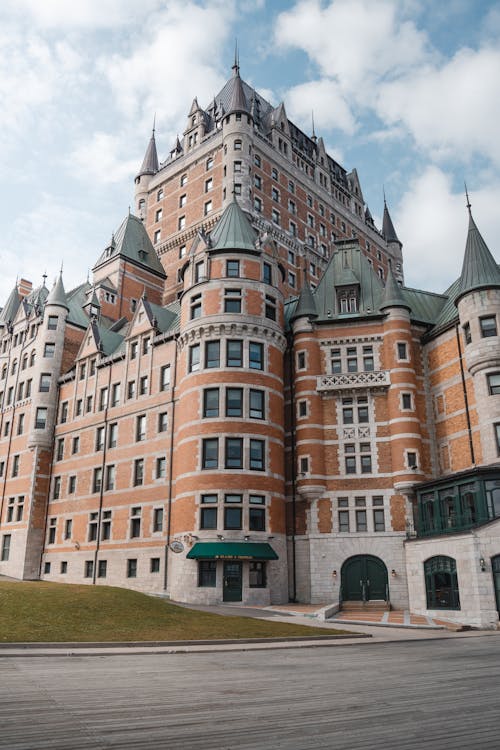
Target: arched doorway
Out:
[364,578]
[495,569]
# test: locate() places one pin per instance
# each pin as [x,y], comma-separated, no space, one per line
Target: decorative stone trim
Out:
[231,329]
[344,381]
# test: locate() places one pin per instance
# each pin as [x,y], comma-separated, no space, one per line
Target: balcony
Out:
[350,380]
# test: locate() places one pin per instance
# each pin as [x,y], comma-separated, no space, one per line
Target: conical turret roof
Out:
[237,100]
[306,306]
[479,269]
[388,231]
[11,307]
[57,295]
[150,162]
[233,231]
[393,294]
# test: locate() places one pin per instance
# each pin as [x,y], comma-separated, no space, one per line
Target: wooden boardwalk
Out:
[432,694]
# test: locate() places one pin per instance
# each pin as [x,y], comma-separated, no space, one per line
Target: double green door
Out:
[364,578]
[233,582]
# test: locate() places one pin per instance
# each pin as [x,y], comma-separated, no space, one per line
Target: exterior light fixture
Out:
[334,573]
[482,564]
[393,573]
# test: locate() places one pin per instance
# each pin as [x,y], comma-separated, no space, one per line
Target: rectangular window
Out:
[154,565]
[488,326]
[41,418]
[211,402]
[56,488]
[232,517]
[497,437]
[402,350]
[49,350]
[256,404]
[97,480]
[494,383]
[347,415]
[133,349]
[161,467]
[135,522]
[93,523]
[232,300]
[102,567]
[131,389]
[350,464]
[256,518]
[138,471]
[234,353]
[132,568]
[103,399]
[68,527]
[89,404]
[234,453]
[112,435]
[79,407]
[45,379]
[212,354]
[467,333]
[257,462]
[99,439]
[60,449]
[270,307]
[115,394]
[64,567]
[343,521]
[207,573]
[234,402]
[368,363]
[210,453]
[194,358]
[361,520]
[143,385]
[158,519]
[366,464]
[75,445]
[195,309]
[110,477]
[162,421]
[6,547]
[233,268]
[208,516]
[106,525]
[15,466]
[378,520]
[52,323]
[257,575]
[140,428]
[256,355]
[72,484]
[89,569]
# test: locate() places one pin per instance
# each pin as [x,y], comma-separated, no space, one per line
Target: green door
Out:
[364,578]
[495,567]
[232,582]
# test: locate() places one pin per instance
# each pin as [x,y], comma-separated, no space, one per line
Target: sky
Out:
[406,91]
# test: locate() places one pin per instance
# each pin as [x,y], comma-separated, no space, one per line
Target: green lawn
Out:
[41,611]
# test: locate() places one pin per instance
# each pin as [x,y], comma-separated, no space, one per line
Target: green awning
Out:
[232,551]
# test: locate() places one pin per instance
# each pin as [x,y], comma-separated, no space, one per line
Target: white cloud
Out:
[431,221]
[79,14]
[104,159]
[326,100]
[178,57]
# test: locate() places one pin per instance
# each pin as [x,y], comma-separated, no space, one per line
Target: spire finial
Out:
[62,266]
[154,123]
[467,196]
[88,275]
[236,64]
[44,277]
[312,122]
[383,191]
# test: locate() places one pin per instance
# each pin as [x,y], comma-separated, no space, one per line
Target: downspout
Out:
[294,460]
[49,483]
[170,472]
[103,477]
[466,399]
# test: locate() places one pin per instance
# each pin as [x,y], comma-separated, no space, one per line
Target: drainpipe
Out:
[49,483]
[170,459]
[466,400]
[294,461]
[103,477]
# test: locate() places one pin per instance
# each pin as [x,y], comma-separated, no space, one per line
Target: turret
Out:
[478,303]
[394,246]
[238,142]
[148,169]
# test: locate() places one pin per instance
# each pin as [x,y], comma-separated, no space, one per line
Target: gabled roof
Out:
[233,231]
[150,161]
[131,241]
[76,299]
[161,317]
[388,231]
[479,269]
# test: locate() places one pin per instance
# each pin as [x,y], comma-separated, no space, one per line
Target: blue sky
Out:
[407,92]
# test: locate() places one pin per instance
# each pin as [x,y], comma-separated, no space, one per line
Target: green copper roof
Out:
[233,231]
[57,295]
[131,241]
[479,269]
[232,551]
[306,306]
[393,294]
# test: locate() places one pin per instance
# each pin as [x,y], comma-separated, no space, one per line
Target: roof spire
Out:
[313,137]
[150,162]
[236,64]
[154,123]
[479,269]
[468,204]
[388,231]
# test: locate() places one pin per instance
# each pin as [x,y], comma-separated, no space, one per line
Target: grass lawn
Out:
[42,611]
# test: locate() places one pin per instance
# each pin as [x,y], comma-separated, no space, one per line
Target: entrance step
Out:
[374,605]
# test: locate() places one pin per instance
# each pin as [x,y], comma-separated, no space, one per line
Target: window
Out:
[52,531]
[71,484]
[233,268]
[257,181]
[5,547]
[207,208]
[182,200]
[257,160]
[88,406]
[411,459]
[347,411]
[366,459]
[378,520]
[60,449]
[232,300]
[270,307]
[20,424]
[79,407]
[97,480]
[267,277]
[89,569]
[106,525]
[143,385]
[257,455]
[115,394]
[292,279]
[361,520]
[467,333]
[135,522]
[140,428]
[99,439]
[257,575]
[132,568]
[165,377]
[102,566]
[406,401]
[75,445]
[256,513]
[159,214]
[352,359]
[302,408]
[257,204]
[211,402]
[158,519]
[256,355]
[234,353]
[210,163]
[234,402]
[207,573]
[41,418]
[162,421]
[212,354]
[45,379]
[441,583]
[275,194]
[237,145]
[343,520]
[138,471]
[402,350]
[233,515]
[234,453]
[161,467]
[368,363]
[494,383]
[131,389]
[159,194]
[488,326]
[182,252]
[275,216]
[301,360]
[93,524]
[274,173]
[181,223]
[210,453]
[110,477]
[256,399]
[49,350]
[350,463]
[497,437]
[194,358]
[208,513]
[237,167]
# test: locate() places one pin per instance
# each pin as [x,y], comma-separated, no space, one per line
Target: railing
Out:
[373,379]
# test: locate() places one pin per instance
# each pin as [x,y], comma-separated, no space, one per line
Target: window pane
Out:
[234,453]
[234,402]
[234,353]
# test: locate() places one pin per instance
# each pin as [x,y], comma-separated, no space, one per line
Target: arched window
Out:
[441,583]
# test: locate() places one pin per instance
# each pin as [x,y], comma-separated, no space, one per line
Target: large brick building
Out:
[247,403]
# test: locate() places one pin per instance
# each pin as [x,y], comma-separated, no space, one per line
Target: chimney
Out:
[24,287]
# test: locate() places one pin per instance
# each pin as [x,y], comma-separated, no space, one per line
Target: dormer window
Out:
[347,300]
